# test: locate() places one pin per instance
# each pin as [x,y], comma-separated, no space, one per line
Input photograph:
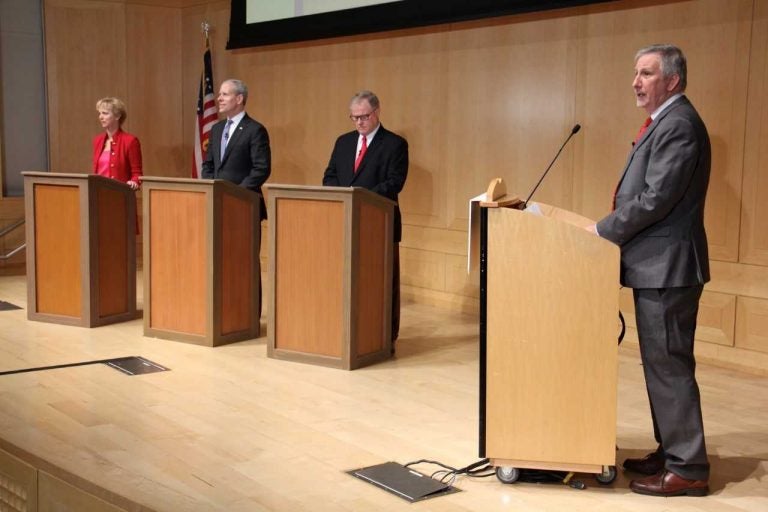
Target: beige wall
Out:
[475,100]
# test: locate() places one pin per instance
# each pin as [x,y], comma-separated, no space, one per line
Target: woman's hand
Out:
[132,184]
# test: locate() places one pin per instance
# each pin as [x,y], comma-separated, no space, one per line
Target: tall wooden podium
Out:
[549,302]
[201,260]
[330,275]
[81,249]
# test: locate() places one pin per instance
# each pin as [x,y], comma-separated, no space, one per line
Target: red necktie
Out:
[642,130]
[363,149]
[640,133]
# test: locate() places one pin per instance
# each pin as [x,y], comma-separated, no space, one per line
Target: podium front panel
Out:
[552,323]
[178,245]
[57,256]
[310,280]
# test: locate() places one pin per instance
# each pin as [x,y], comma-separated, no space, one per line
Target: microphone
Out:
[574,131]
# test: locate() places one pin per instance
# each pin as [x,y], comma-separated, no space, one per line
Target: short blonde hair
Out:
[114,105]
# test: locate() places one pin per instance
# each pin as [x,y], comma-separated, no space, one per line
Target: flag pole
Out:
[206,107]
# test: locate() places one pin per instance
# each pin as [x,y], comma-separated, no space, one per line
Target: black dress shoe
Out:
[648,465]
[667,484]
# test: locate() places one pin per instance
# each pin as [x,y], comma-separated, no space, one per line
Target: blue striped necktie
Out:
[225,137]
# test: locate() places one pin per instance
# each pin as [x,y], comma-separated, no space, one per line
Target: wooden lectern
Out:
[549,302]
[201,260]
[81,249]
[330,275]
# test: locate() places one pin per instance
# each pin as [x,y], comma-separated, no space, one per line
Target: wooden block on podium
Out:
[81,249]
[201,261]
[330,275]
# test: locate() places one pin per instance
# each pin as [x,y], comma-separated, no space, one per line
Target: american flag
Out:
[206,113]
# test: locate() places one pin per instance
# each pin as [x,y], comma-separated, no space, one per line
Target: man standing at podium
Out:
[238,149]
[376,159]
[658,221]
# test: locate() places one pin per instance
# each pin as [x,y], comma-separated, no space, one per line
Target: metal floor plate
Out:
[403,482]
[7,306]
[135,365]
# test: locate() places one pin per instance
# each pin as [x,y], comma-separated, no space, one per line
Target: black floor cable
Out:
[115,362]
[56,367]
[479,469]
[483,469]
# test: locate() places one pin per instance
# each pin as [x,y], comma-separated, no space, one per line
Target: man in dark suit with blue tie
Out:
[658,221]
[376,159]
[238,148]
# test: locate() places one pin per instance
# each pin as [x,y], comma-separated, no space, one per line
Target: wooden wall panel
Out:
[752,324]
[754,215]
[85,60]
[153,93]
[104,48]
[422,269]
[510,107]
[717,318]
[739,279]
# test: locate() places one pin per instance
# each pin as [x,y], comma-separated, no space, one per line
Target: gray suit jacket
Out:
[659,217]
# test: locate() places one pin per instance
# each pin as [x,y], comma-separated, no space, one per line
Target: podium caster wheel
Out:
[607,476]
[507,474]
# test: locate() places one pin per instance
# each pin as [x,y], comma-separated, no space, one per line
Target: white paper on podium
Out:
[534,208]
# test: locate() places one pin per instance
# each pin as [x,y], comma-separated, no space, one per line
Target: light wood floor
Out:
[229,430]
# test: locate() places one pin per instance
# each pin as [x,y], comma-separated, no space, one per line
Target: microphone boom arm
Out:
[574,131]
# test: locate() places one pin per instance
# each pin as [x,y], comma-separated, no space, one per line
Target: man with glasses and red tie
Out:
[376,159]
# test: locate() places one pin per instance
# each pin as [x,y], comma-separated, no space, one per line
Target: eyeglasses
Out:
[362,117]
